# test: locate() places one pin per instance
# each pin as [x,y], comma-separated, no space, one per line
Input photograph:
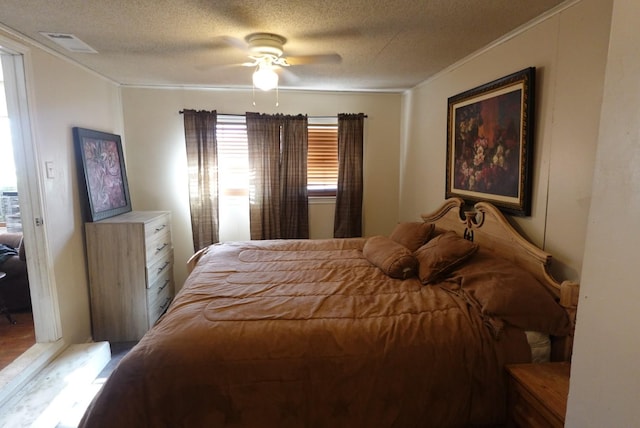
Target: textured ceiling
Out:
[384,45]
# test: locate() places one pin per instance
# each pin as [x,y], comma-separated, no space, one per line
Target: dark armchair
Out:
[14,288]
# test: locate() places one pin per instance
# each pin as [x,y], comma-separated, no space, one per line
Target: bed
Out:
[406,330]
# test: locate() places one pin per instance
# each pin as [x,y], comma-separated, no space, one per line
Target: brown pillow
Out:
[392,258]
[507,292]
[441,254]
[412,234]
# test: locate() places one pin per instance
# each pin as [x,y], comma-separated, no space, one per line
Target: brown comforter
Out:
[308,334]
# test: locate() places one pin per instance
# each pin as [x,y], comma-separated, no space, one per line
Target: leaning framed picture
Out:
[102,174]
[490,143]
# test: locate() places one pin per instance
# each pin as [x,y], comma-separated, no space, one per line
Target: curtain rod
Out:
[242,115]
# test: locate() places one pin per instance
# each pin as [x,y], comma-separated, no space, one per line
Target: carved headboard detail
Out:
[488,227]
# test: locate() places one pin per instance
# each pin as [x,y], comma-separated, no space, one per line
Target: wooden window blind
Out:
[322,159]
[233,157]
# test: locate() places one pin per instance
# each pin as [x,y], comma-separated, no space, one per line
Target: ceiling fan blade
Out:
[213,65]
[222,42]
[175,47]
[314,59]
[288,76]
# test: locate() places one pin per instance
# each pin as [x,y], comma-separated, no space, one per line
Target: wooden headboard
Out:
[488,227]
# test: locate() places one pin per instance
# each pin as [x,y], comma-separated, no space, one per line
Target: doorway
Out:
[15,59]
[17,332]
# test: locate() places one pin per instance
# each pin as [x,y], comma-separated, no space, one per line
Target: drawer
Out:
[157,226]
[160,266]
[159,308]
[161,284]
[158,246]
[528,411]
[159,295]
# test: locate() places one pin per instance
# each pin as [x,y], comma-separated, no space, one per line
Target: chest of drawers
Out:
[538,394]
[130,258]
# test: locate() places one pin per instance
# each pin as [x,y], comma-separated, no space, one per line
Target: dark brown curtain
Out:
[294,197]
[348,216]
[278,203]
[202,164]
[263,137]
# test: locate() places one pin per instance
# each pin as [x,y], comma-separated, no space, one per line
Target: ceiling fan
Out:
[266,51]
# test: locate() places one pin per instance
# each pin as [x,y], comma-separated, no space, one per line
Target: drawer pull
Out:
[163,286]
[158,249]
[161,268]
[159,228]
[165,304]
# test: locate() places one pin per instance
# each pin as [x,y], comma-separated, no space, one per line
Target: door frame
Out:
[16,63]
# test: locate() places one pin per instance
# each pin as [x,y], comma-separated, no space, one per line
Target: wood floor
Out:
[15,338]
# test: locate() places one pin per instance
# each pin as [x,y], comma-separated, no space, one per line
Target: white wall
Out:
[605,373]
[156,159]
[63,95]
[568,49]
[67,96]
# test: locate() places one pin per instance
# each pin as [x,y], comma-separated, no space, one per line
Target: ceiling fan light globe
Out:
[265,79]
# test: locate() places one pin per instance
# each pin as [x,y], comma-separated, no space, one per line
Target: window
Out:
[233,157]
[322,159]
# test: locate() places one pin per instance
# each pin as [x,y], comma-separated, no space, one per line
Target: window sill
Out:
[319,200]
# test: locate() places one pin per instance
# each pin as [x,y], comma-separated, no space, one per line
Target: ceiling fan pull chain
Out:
[254,94]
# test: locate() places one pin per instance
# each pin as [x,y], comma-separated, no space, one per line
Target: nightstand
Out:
[538,394]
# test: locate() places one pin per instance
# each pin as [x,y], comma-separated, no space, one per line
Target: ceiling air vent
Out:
[69,42]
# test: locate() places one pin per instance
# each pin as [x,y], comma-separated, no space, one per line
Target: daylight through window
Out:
[233,156]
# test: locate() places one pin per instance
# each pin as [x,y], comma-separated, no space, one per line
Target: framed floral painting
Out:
[490,143]
[102,174]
